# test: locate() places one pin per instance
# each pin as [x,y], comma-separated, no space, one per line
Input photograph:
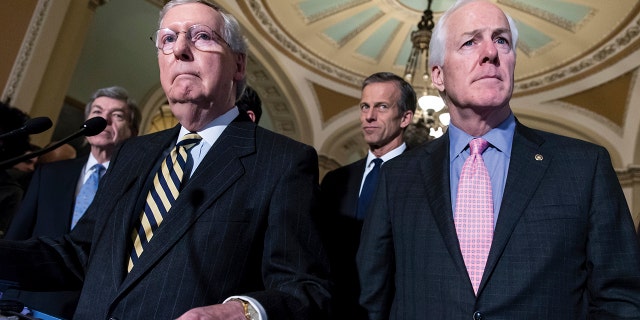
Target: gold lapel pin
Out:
[538,157]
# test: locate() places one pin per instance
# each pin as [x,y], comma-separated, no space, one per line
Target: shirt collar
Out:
[213,130]
[91,162]
[500,138]
[387,156]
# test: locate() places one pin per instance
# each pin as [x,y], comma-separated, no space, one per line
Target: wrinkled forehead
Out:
[186,15]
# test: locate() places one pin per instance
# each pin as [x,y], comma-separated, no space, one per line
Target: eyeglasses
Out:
[202,37]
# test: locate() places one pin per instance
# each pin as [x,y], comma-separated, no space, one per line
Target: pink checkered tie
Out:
[474,212]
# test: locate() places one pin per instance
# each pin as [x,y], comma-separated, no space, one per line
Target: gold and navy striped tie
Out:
[166,187]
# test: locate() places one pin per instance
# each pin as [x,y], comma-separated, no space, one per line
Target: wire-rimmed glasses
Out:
[202,37]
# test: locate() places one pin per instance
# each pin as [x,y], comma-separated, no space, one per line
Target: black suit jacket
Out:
[241,226]
[563,245]
[341,233]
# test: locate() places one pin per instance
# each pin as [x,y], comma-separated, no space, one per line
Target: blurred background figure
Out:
[250,103]
[63,152]
[11,191]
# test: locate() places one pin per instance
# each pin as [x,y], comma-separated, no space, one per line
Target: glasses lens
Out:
[204,38]
[164,40]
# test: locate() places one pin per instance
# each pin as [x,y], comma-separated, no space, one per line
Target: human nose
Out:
[181,48]
[489,53]
[370,114]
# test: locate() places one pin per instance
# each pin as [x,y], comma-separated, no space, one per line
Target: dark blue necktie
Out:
[368,188]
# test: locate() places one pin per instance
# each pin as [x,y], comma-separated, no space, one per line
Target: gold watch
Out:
[249,311]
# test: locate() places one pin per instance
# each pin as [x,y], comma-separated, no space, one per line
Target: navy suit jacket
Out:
[563,248]
[341,233]
[47,210]
[242,225]
[47,207]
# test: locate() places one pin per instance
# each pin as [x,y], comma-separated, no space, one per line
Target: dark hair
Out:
[408,100]
[10,119]
[250,101]
[118,93]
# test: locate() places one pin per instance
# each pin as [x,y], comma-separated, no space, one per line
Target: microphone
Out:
[89,128]
[92,127]
[31,126]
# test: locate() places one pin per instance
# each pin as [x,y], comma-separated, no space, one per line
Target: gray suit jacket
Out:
[563,246]
[241,226]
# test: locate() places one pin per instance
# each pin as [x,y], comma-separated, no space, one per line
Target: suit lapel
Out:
[526,169]
[435,175]
[220,168]
[132,186]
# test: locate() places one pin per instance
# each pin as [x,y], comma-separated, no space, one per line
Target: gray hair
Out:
[231,33]
[439,36]
[118,93]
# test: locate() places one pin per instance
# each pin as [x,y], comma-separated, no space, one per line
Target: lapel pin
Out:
[538,157]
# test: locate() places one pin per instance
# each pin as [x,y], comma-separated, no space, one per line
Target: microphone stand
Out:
[9,163]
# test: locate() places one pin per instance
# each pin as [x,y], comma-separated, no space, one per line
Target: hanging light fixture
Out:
[432,116]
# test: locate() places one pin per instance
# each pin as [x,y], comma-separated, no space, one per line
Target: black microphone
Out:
[32,126]
[91,127]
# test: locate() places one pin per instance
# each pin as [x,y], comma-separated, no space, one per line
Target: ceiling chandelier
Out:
[432,116]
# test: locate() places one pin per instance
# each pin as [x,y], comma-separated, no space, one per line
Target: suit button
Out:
[478,315]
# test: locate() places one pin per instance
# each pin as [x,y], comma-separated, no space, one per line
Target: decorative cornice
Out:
[630,176]
[298,52]
[548,16]
[26,49]
[627,38]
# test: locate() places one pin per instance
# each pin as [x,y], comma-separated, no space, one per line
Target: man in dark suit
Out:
[50,202]
[387,106]
[560,233]
[213,252]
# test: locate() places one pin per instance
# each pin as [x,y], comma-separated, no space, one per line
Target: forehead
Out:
[381,91]
[108,104]
[481,15]
[186,15]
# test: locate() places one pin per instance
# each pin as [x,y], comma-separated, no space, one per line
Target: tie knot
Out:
[478,146]
[189,140]
[376,162]
[98,168]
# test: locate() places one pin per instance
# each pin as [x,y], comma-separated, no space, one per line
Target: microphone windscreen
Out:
[93,126]
[37,125]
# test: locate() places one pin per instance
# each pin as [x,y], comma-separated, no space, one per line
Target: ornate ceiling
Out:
[576,72]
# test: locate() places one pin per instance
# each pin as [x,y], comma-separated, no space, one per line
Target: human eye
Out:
[118,116]
[199,32]
[383,107]
[167,36]
[364,107]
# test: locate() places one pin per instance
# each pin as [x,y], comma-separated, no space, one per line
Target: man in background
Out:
[495,220]
[60,192]
[251,104]
[11,190]
[387,105]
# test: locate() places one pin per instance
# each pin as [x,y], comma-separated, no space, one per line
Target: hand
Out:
[231,310]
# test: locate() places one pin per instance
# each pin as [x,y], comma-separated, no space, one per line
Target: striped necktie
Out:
[165,191]
[474,212]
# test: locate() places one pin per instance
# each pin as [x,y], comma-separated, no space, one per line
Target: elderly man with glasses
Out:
[172,234]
